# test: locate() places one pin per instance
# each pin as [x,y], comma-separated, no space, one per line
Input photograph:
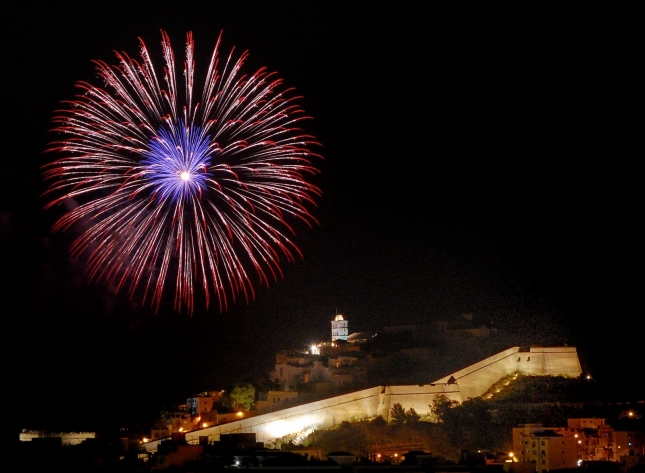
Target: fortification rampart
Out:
[417,397]
[476,379]
[553,361]
[469,382]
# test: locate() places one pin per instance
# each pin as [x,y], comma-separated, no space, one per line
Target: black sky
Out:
[478,159]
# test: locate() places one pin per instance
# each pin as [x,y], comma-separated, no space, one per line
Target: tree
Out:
[397,413]
[378,423]
[242,396]
[411,416]
[440,407]
[347,436]
[223,405]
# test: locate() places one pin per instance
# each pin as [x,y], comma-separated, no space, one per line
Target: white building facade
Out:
[339,328]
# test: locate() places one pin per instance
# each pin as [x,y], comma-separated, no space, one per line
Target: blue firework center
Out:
[178,161]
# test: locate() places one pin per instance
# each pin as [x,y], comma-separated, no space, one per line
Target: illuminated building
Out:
[339,328]
[593,438]
[203,403]
[66,438]
[628,444]
[275,399]
[293,367]
[549,452]
[170,423]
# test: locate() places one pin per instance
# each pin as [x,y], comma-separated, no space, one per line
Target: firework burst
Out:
[180,191]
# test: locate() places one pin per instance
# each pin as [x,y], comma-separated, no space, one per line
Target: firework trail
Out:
[199,190]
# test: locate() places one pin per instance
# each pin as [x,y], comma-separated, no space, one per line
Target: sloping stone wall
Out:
[469,382]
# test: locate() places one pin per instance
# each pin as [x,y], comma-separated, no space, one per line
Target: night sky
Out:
[477,159]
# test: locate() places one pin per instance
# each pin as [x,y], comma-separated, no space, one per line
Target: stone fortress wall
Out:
[469,382]
[476,379]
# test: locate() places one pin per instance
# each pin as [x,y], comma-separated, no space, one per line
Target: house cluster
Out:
[325,364]
[539,448]
[335,362]
[197,413]
[344,360]
[200,412]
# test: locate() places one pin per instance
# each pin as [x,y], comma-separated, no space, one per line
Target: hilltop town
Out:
[331,385]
